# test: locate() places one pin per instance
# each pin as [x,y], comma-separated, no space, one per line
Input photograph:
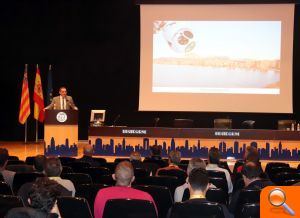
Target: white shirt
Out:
[228,178]
[63,104]
[65,183]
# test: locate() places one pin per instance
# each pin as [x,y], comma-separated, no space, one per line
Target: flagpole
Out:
[36,130]
[25,140]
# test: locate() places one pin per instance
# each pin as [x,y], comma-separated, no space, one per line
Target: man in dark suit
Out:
[251,172]
[198,183]
[88,156]
[62,102]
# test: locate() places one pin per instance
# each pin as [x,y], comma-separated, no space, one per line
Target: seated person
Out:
[198,183]
[251,154]
[251,176]
[174,160]
[87,157]
[7,174]
[53,169]
[136,160]
[193,163]
[213,161]
[155,156]
[41,201]
[124,176]
[39,162]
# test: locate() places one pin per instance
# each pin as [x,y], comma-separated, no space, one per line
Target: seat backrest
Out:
[89,192]
[168,181]
[67,160]
[21,168]
[141,172]
[289,182]
[118,160]
[106,179]
[22,178]
[5,189]
[8,202]
[161,195]
[219,183]
[216,173]
[280,178]
[129,208]
[79,166]
[30,160]
[151,167]
[199,210]
[70,207]
[77,178]
[101,161]
[15,162]
[250,211]
[66,169]
[96,172]
[180,174]
[217,195]
[271,165]
[247,196]
[13,158]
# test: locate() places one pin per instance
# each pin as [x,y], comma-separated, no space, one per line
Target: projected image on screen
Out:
[240,57]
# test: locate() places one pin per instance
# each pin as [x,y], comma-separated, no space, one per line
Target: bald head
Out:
[124,174]
[88,150]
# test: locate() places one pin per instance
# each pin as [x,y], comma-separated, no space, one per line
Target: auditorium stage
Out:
[22,150]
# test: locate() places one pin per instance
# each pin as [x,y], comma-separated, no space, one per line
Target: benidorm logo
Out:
[61,117]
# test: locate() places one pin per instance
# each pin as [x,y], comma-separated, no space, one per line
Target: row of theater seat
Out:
[89,180]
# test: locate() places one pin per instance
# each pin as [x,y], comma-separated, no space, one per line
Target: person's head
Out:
[214,156]
[52,167]
[155,150]
[124,174]
[174,157]
[39,162]
[43,194]
[250,150]
[195,163]
[135,156]
[198,181]
[251,172]
[3,157]
[88,150]
[63,91]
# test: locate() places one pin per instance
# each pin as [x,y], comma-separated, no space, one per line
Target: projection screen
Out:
[219,58]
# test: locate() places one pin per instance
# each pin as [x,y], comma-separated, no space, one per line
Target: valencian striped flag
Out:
[25,101]
[38,97]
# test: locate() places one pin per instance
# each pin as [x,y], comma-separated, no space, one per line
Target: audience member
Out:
[136,160]
[251,154]
[39,162]
[198,183]
[193,163]
[42,200]
[87,157]
[124,176]
[53,169]
[213,161]
[251,176]
[7,174]
[155,158]
[174,160]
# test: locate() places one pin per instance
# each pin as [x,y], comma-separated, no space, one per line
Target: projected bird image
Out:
[179,38]
[239,57]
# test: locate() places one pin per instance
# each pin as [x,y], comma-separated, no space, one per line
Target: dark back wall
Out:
[94,49]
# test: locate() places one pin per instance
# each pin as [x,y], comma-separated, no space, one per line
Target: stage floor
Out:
[23,150]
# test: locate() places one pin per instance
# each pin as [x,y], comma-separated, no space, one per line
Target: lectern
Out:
[61,129]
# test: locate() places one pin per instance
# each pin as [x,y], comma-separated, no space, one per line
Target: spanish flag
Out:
[38,97]
[25,101]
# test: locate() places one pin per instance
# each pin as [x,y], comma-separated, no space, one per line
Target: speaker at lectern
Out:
[61,132]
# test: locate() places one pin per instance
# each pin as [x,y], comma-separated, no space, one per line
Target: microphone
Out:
[116,119]
[156,120]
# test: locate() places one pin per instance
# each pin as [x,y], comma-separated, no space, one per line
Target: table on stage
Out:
[195,142]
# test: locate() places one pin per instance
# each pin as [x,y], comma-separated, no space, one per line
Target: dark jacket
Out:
[29,212]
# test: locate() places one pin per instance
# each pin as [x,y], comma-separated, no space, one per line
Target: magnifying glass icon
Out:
[277,198]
